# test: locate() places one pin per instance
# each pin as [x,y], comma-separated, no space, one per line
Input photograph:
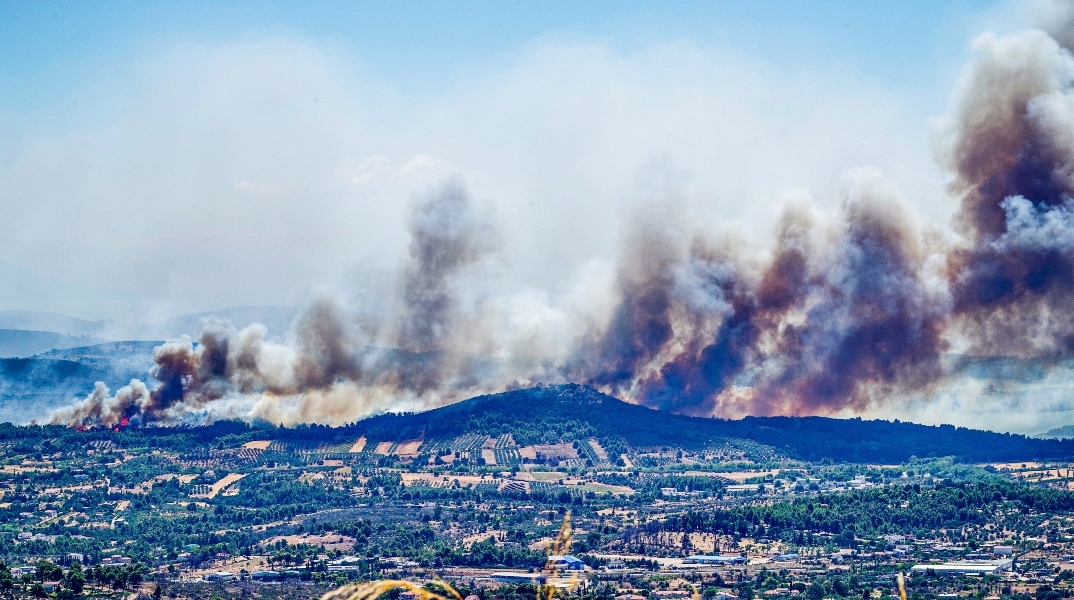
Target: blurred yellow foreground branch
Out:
[374,589]
[371,590]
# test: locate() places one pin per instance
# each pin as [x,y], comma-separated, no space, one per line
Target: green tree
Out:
[48,571]
[7,584]
[76,579]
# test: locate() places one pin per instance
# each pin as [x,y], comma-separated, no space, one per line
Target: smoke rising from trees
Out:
[846,312]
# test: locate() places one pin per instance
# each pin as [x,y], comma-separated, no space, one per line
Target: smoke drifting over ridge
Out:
[843,314]
[332,370]
[847,312]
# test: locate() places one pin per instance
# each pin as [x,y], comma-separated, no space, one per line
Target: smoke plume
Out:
[847,312]
[446,237]
[842,314]
[333,369]
[1011,154]
[852,312]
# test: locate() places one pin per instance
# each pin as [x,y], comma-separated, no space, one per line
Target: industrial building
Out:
[221,577]
[967,567]
[564,563]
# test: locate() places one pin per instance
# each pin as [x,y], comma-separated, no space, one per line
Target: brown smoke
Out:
[327,350]
[332,370]
[1012,156]
[860,314]
[101,410]
[847,312]
[834,320]
[187,375]
[641,325]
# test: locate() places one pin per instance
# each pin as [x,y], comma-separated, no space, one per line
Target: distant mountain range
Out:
[1065,432]
[31,388]
[48,360]
[19,342]
[276,318]
[32,320]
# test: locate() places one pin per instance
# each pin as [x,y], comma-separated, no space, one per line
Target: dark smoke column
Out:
[1012,153]
[842,317]
[446,237]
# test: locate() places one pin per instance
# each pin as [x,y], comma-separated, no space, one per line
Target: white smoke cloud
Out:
[1036,228]
[251,172]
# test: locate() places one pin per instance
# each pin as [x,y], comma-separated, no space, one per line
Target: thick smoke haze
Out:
[845,313]
[858,309]
[252,172]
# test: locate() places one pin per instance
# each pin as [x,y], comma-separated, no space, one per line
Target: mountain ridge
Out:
[22,343]
[571,411]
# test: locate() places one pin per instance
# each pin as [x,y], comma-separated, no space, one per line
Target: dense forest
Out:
[960,510]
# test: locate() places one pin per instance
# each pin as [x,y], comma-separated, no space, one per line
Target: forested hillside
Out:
[574,412]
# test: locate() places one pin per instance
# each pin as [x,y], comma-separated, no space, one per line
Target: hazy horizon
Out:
[709,208]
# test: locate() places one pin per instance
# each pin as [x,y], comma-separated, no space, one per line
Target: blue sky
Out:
[49,51]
